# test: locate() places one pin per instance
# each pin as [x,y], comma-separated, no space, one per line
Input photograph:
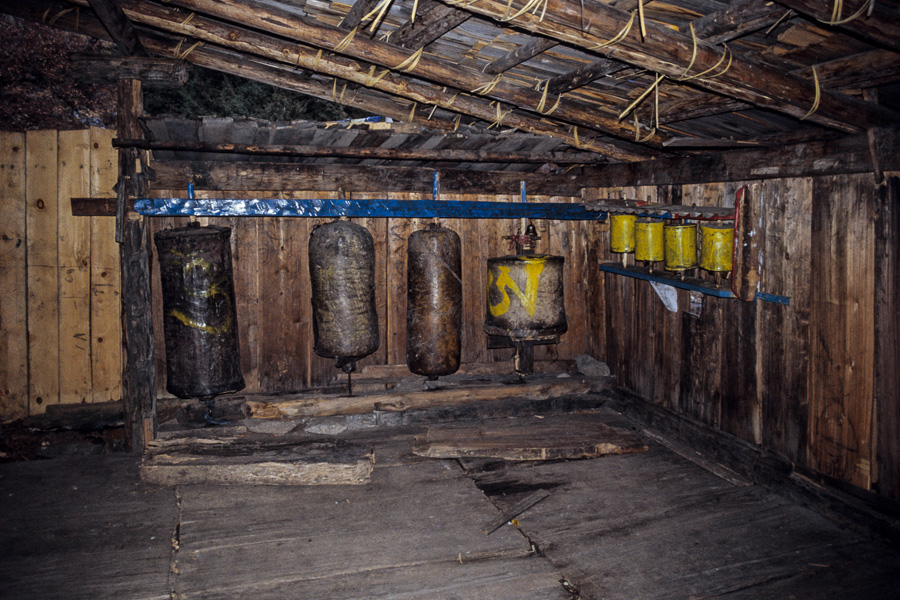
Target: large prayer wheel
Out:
[342,277]
[525,297]
[434,301]
[199,317]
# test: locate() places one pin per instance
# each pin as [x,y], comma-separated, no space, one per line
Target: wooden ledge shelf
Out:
[694,284]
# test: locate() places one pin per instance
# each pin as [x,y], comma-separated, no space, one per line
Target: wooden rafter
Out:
[677,55]
[519,55]
[325,37]
[881,27]
[320,37]
[354,16]
[120,29]
[737,20]
[419,154]
[584,75]
[152,71]
[433,21]
[278,72]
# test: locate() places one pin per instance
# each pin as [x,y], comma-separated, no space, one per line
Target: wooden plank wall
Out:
[59,291]
[271,270]
[804,380]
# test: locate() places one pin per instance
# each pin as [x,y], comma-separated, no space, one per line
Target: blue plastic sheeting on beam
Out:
[412,209]
[685,284]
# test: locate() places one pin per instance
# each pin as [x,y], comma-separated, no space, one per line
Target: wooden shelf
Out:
[694,284]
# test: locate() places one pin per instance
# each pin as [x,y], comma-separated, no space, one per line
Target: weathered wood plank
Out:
[519,55]
[325,405]
[74,252]
[841,378]
[355,180]
[887,338]
[42,257]
[550,438]
[154,72]
[139,381]
[430,24]
[846,155]
[783,331]
[256,461]
[13,279]
[119,27]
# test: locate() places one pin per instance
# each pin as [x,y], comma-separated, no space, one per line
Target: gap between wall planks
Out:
[59,278]
[798,380]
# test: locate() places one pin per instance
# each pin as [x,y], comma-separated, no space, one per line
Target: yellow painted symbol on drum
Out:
[214,289]
[534,266]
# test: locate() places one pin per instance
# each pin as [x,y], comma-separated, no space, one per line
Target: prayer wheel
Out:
[648,240]
[681,246]
[199,318]
[716,246]
[621,233]
[525,297]
[342,279]
[434,301]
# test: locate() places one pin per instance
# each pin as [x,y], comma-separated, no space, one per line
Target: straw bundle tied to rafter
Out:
[177,53]
[543,102]
[838,8]
[51,20]
[816,98]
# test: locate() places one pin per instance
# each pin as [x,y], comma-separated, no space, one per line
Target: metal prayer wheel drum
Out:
[621,233]
[648,240]
[681,246]
[199,316]
[525,297]
[342,278]
[434,301]
[716,246]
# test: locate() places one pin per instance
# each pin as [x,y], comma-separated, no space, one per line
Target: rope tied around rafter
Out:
[178,54]
[488,87]
[411,62]
[816,99]
[618,37]
[500,116]
[530,5]
[60,14]
[838,8]
[543,102]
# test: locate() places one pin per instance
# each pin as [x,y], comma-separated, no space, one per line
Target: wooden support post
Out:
[139,385]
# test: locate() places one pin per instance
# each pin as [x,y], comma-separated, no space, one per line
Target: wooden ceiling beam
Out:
[881,27]
[152,71]
[364,152]
[286,58]
[722,26]
[737,20]
[354,16]
[584,75]
[434,20]
[265,176]
[869,69]
[322,36]
[676,55]
[850,154]
[120,29]
[314,37]
[519,55]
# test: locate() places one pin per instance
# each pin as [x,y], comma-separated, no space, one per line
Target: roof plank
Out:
[120,29]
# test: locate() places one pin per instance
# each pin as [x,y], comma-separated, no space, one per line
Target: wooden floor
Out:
[631,526]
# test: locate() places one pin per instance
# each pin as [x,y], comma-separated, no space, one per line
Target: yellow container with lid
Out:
[648,240]
[681,246]
[621,233]
[716,246]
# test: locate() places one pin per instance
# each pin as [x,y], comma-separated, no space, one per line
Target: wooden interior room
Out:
[601,301]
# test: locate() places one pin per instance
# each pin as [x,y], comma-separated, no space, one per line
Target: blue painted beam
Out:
[690,283]
[175,207]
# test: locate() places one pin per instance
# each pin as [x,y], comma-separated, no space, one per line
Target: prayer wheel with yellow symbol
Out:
[200,327]
[716,246]
[648,240]
[525,297]
[680,246]
[621,233]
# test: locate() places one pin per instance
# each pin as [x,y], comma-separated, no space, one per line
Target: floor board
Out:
[650,525]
